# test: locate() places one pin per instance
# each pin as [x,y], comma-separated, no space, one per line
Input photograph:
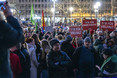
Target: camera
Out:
[2,2]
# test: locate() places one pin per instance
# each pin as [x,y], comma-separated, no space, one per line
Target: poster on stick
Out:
[89,24]
[107,25]
[76,31]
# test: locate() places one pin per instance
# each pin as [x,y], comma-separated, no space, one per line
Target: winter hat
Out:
[87,39]
[68,38]
[53,42]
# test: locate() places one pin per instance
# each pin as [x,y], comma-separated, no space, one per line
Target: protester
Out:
[83,59]
[98,45]
[67,47]
[108,68]
[38,47]
[17,50]
[15,65]
[11,34]
[57,61]
[60,38]
[45,47]
[32,52]
[27,60]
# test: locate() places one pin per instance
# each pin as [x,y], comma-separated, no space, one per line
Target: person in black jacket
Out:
[67,47]
[83,60]
[23,60]
[10,34]
[57,61]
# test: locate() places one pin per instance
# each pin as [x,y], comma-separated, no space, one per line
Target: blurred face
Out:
[56,47]
[105,56]
[87,44]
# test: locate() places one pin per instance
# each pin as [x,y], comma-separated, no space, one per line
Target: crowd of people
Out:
[38,54]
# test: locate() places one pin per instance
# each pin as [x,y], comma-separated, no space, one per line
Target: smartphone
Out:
[2,2]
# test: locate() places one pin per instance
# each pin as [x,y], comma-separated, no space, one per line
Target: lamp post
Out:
[71,10]
[96,7]
[54,12]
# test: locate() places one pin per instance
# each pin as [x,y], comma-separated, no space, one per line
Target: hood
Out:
[97,42]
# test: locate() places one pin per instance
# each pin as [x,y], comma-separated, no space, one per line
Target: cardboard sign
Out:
[76,31]
[107,25]
[89,24]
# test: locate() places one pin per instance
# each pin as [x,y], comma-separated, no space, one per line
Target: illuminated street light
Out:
[96,7]
[71,9]
[53,10]
[98,4]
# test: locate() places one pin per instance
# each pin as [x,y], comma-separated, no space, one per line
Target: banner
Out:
[107,25]
[76,31]
[89,24]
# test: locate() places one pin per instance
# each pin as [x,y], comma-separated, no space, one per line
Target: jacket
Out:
[98,46]
[10,34]
[15,65]
[33,59]
[83,60]
[27,64]
[109,67]
[68,48]
[59,70]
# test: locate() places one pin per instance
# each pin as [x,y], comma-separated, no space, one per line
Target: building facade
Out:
[81,8]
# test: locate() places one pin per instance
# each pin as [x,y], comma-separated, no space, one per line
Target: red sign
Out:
[89,24]
[75,31]
[107,25]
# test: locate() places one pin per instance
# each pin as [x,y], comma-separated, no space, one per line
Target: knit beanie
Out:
[87,39]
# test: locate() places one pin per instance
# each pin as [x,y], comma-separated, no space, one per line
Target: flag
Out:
[32,19]
[43,20]
[32,15]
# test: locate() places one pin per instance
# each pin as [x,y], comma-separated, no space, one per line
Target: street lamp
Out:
[54,12]
[71,10]
[96,7]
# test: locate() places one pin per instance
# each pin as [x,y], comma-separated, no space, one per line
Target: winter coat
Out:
[15,65]
[109,67]
[98,45]
[22,61]
[33,59]
[68,48]
[10,34]
[83,60]
[27,64]
[60,70]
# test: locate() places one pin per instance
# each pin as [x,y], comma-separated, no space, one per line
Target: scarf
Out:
[105,62]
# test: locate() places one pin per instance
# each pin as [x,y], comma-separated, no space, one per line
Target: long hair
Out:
[45,48]
[34,36]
